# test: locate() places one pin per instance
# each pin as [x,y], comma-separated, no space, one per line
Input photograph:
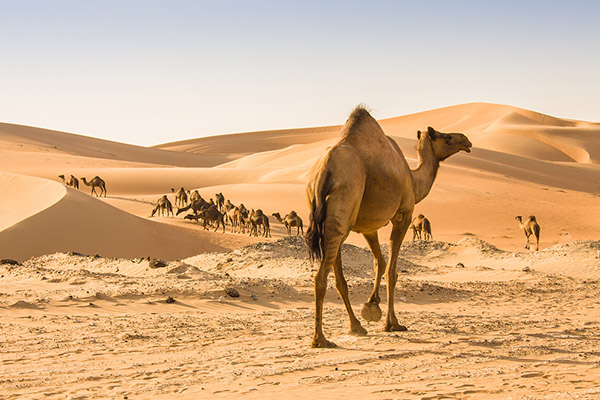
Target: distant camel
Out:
[97,182]
[257,219]
[530,227]
[220,201]
[196,206]
[211,214]
[421,228]
[72,181]
[181,197]
[163,206]
[292,219]
[237,217]
[195,195]
[360,184]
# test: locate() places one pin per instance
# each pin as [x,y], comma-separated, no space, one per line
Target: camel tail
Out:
[318,211]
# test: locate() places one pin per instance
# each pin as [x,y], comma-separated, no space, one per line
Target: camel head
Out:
[173,190]
[443,144]
[518,218]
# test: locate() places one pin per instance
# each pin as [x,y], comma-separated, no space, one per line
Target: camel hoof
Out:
[322,343]
[358,331]
[395,328]
[370,312]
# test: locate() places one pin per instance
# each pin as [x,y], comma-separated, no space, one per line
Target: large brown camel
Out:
[290,220]
[163,206]
[530,227]
[421,228]
[257,219]
[97,182]
[181,197]
[360,184]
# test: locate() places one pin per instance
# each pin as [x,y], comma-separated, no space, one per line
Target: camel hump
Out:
[361,124]
[532,217]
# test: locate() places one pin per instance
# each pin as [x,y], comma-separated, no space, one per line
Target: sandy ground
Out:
[83,314]
[498,325]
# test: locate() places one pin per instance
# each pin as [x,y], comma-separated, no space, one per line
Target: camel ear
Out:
[418,134]
[431,132]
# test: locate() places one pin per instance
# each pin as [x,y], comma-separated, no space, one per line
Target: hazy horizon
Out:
[150,72]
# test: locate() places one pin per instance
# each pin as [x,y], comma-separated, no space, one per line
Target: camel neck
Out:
[426,171]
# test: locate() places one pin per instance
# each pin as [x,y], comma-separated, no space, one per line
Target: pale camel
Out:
[360,184]
[97,182]
[290,220]
[421,228]
[235,217]
[257,219]
[181,197]
[163,206]
[530,227]
[228,206]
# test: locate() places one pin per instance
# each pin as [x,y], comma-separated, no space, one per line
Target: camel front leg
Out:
[371,311]
[342,288]
[527,244]
[398,233]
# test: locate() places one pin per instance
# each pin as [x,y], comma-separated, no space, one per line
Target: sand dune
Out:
[523,160]
[52,218]
[28,139]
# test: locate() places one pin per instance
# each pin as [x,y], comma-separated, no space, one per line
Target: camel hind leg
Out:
[342,288]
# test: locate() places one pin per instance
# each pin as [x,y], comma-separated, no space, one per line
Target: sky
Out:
[150,72]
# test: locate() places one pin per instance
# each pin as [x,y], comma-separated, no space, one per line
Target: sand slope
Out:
[50,218]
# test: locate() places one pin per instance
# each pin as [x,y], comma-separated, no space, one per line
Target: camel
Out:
[97,182]
[258,218]
[360,184]
[421,225]
[72,181]
[292,219]
[196,206]
[163,206]
[234,216]
[212,214]
[181,197]
[195,195]
[220,201]
[530,227]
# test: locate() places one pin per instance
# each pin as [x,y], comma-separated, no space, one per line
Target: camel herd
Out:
[217,213]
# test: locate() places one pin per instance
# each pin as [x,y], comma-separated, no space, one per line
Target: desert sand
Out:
[85,313]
